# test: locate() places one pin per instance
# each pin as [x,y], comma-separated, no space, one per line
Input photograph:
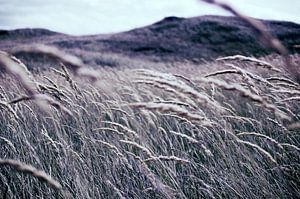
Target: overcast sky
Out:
[80,17]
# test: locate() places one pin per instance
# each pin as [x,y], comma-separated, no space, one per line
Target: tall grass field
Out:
[227,128]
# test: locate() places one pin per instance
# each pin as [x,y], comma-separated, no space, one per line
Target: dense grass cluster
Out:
[226,129]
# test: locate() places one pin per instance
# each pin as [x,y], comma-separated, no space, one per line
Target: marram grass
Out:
[150,133]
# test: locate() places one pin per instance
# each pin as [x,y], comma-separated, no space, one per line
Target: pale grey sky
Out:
[81,17]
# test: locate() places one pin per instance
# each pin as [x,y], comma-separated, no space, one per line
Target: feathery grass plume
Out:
[287,91]
[7,106]
[133,155]
[155,74]
[28,169]
[43,101]
[290,99]
[250,59]
[166,108]
[168,89]
[121,127]
[50,140]
[118,110]
[229,107]
[18,61]
[51,82]
[72,61]
[178,118]
[221,72]
[189,138]
[52,52]
[265,35]
[261,150]
[285,85]
[179,103]
[277,123]
[166,158]
[105,129]
[18,71]
[54,91]
[291,146]
[184,78]
[21,75]
[110,146]
[248,75]
[246,93]
[68,78]
[260,135]
[283,79]
[144,149]
[9,143]
[249,120]
[170,81]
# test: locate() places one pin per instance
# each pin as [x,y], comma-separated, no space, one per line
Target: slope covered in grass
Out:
[225,129]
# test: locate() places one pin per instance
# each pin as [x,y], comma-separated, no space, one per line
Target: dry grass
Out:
[151,134]
[175,132]
[28,169]
[266,37]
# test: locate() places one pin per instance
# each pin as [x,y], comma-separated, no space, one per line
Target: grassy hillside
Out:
[156,116]
[224,129]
